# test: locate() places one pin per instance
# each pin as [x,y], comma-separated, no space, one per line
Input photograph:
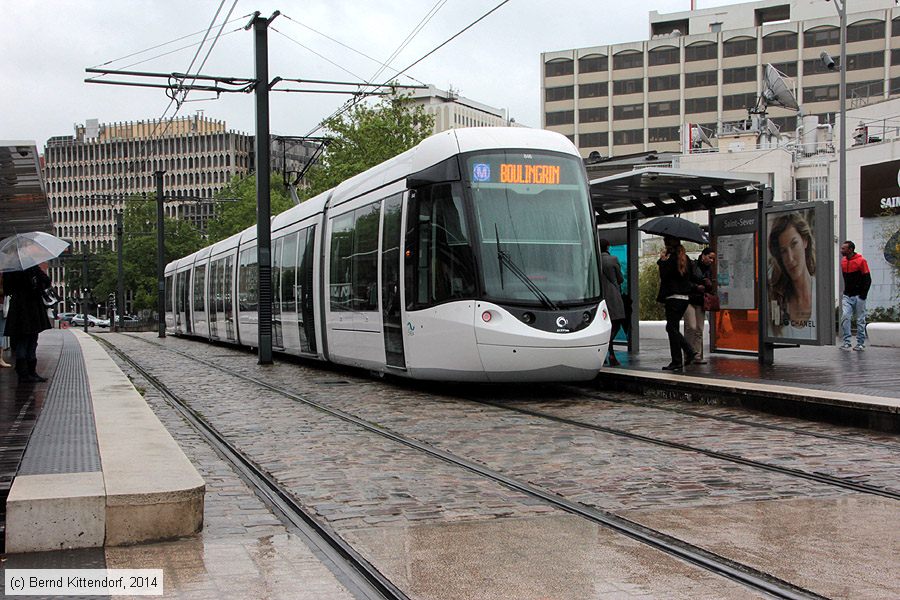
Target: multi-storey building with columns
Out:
[706,67]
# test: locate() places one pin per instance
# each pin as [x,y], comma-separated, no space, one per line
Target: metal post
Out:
[84,288]
[263,206]
[160,257]
[120,295]
[634,273]
[841,6]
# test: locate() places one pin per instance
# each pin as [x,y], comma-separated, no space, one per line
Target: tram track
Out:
[732,458]
[670,545]
[365,578]
[735,420]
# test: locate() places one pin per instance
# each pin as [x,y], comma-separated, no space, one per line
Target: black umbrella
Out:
[675,227]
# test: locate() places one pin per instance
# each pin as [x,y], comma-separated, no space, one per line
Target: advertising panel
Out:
[879,189]
[799,267]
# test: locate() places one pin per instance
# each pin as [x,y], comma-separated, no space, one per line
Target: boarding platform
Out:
[85,461]
[821,383]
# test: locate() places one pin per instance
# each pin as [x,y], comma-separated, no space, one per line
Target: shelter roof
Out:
[652,192]
[23,200]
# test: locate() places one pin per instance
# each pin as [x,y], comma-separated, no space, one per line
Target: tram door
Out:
[390,282]
[186,300]
[214,297]
[227,294]
[277,334]
[305,297]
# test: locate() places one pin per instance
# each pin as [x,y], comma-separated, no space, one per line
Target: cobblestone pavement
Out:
[244,551]
[372,482]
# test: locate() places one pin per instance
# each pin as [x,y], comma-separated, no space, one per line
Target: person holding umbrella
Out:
[674,289]
[23,262]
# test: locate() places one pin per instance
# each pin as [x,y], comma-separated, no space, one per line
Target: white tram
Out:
[471,257]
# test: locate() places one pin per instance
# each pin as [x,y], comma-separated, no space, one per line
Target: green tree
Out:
[139,255]
[233,216]
[648,284]
[366,136]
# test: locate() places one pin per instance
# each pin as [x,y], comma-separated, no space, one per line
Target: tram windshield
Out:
[535,228]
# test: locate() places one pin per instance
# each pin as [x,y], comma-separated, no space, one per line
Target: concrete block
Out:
[55,512]
[884,334]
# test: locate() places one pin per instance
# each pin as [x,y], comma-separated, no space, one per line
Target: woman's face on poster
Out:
[792,249]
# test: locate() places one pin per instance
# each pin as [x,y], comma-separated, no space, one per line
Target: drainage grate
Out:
[64,439]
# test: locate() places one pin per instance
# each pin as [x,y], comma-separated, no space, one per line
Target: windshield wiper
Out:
[504,259]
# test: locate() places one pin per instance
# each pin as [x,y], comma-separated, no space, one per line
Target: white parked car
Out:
[78,321]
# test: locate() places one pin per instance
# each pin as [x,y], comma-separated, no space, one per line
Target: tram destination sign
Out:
[530,174]
[879,189]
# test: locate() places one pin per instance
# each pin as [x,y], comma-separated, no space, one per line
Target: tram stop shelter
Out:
[621,201]
[23,200]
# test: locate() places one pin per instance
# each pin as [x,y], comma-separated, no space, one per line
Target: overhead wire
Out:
[357,99]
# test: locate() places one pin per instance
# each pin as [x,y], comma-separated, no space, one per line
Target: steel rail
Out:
[692,413]
[686,551]
[367,579]
[734,458]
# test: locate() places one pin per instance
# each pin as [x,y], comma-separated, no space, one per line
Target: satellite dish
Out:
[777,92]
[699,137]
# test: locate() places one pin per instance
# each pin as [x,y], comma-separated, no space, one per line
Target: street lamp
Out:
[841,7]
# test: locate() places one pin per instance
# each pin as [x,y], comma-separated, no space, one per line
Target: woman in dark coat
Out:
[611,279]
[674,288]
[27,317]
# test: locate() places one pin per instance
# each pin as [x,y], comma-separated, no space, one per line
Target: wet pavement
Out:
[443,533]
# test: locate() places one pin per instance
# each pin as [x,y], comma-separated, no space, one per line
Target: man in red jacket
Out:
[857,281]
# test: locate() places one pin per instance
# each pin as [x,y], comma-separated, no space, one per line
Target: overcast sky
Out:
[46,46]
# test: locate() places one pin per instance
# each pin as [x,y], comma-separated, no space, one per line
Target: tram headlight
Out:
[586,317]
[528,318]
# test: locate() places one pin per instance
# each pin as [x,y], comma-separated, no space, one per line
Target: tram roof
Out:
[655,191]
[23,200]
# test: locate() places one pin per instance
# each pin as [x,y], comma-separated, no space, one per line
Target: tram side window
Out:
[169,293]
[289,274]
[199,285]
[439,263]
[248,286]
[353,280]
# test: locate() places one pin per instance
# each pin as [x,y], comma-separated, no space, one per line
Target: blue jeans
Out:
[851,305]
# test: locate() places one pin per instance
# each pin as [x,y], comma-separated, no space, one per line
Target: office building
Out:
[705,67]
[452,111]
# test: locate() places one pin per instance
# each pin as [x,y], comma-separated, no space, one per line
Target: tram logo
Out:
[562,322]
[481,172]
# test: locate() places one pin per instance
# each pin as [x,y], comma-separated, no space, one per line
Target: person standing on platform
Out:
[611,279]
[4,341]
[674,288]
[857,281]
[695,316]
[27,317]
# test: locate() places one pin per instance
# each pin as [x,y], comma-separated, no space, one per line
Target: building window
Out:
[628,86]
[865,89]
[895,27]
[779,42]
[865,60]
[666,55]
[628,60]
[860,32]
[738,101]
[663,134]
[739,47]
[559,67]
[593,64]
[628,136]
[700,79]
[664,82]
[895,57]
[700,105]
[703,51]
[715,27]
[664,109]
[593,90]
[562,117]
[628,111]
[785,123]
[593,115]
[559,93]
[814,66]
[593,140]
[895,86]
[788,68]
[823,36]
[739,75]
[820,93]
